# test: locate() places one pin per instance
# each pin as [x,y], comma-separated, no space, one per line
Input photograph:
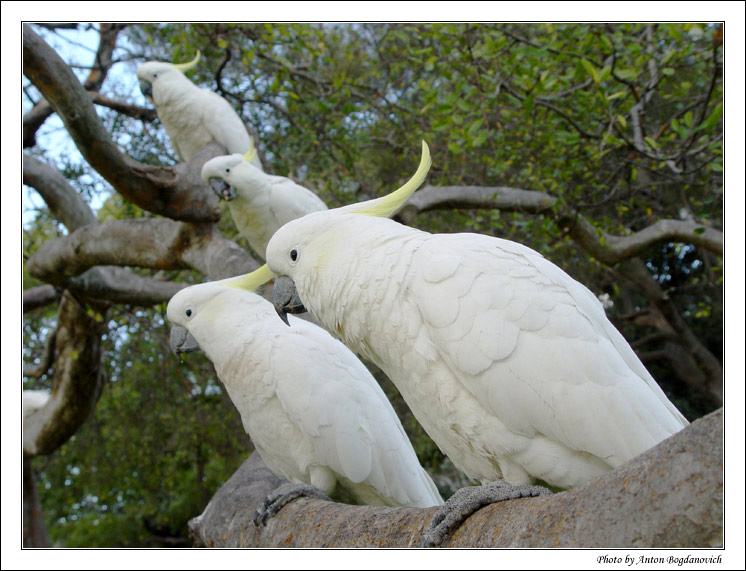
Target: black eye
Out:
[293,255]
[227,170]
[188,312]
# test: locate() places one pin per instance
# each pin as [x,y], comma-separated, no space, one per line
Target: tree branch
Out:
[77,381]
[35,118]
[39,297]
[669,496]
[606,248]
[47,357]
[157,243]
[174,192]
[65,204]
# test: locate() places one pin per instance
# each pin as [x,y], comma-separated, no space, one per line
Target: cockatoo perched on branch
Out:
[509,364]
[313,411]
[259,203]
[191,116]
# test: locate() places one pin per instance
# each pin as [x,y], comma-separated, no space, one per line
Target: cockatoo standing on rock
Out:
[191,116]
[259,203]
[313,411]
[510,365]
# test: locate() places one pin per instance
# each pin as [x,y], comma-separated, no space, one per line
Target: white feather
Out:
[192,117]
[264,202]
[311,408]
[510,365]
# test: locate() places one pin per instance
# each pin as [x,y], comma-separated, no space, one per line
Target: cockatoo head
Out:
[299,247]
[191,309]
[221,173]
[151,72]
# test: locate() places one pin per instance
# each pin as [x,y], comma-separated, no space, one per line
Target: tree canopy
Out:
[598,145]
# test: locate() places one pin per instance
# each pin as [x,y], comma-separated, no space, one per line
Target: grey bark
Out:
[34,530]
[77,380]
[669,496]
[606,248]
[173,192]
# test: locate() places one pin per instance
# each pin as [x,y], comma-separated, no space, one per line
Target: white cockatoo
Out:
[509,364]
[259,202]
[192,117]
[313,411]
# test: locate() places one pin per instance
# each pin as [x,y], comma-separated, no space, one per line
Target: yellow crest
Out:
[387,205]
[251,281]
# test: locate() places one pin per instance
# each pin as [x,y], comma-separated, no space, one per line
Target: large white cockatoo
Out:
[313,411]
[509,364]
[259,202]
[192,117]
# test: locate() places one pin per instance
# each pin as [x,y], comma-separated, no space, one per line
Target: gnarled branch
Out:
[606,248]
[173,192]
[157,243]
[669,496]
[77,381]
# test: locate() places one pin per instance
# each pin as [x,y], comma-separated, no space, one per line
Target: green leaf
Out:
[616,95]
[479,139]
[699,230]
[475,126]
[626,74]
[622,121]
[651,142]
[590,69]
[713,118]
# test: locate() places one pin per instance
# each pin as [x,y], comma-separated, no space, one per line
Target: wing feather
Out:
[535,347]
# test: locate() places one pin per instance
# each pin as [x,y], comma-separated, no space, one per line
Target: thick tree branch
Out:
[39,297]
[157,243]
[606,248]
[34,530]
[118,285]
[65,204]
[113,284]
[669,496]
[77,381]
[173,192]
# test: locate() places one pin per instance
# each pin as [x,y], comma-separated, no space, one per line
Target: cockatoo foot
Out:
[283,495]
[468,500]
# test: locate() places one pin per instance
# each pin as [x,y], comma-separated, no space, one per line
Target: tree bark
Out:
[78,381]
[34,530]
[669,496]
[174,192]
[606,248]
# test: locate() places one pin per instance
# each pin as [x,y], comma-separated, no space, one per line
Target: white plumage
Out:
[313,411]
[191,116]
[509,364]
[259,203]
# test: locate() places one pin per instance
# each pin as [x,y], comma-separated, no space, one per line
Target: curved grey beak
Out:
[285,298]
[181,341]
[224,190]
[146,88]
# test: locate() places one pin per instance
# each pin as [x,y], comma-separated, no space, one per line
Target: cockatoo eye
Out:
[188,312]
[294,254]
[228,170]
